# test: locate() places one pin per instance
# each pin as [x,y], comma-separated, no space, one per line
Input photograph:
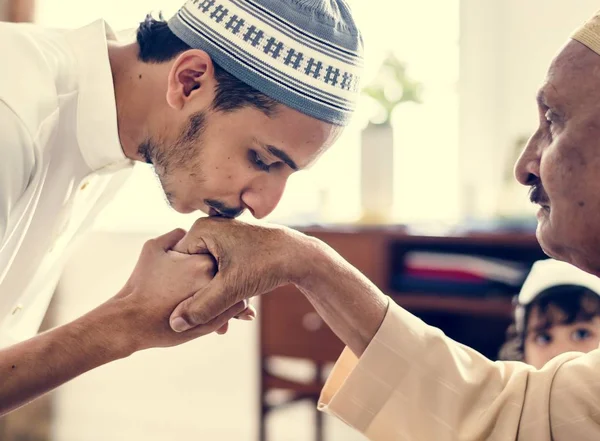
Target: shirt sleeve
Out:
[16,164]
[414,383]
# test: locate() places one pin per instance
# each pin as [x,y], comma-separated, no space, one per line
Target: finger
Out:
[169,240]
[203,264]
[201,268]
[223,329]
[224,318]
[192,243]
[202,307]
[216,323]
[248,314]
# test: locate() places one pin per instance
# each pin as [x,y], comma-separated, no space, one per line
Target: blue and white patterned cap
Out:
[306,54]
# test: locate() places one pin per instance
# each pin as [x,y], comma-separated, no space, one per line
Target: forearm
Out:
[36,366]
[349,302]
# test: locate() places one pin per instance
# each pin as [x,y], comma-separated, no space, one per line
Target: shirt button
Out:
[16,309]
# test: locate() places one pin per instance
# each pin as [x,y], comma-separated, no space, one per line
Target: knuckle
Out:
[199,223]
[208,265]
[204,268]
[149,245]
[179,231]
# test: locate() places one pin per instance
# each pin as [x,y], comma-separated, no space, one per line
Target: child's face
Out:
[542,345]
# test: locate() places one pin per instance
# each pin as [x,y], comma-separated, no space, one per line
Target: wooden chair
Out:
[290,327]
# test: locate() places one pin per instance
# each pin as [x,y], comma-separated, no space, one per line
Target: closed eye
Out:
[257,161]
[550,116]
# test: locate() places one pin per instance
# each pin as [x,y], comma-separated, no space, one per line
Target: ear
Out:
[191,76]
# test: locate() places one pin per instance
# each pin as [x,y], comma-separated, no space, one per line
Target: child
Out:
[557,311]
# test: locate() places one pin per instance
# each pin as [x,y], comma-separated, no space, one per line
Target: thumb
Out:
[191,244]
[169,240]
[202,307]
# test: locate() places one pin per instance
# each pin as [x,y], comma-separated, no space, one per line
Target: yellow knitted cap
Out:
[589,33]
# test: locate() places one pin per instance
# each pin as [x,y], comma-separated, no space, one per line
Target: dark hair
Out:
[557,305]
[158,44]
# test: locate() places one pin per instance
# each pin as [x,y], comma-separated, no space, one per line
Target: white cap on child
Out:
[548,273]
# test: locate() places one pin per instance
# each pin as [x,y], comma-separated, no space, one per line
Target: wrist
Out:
[349,302]
[108,327]
[310,261]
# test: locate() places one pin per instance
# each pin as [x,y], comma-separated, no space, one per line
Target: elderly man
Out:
[400,379]
[226,100]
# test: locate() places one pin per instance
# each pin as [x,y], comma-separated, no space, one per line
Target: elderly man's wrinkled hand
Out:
[251,260]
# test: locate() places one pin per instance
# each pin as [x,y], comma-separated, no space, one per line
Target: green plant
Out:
[391,87]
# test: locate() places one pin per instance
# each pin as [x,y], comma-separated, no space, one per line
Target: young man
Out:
[226,100]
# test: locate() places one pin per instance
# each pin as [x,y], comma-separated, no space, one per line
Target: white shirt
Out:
[60,159]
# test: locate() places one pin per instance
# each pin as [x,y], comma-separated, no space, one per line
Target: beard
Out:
[180,157]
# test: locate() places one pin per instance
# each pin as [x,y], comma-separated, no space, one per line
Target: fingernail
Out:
[247,318]
[179,324]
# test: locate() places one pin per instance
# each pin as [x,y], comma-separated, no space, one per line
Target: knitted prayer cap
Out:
[589,33]
[305,54]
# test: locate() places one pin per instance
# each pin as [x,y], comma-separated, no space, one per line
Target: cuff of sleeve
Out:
[357,389]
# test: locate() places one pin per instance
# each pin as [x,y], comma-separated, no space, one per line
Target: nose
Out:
[527,168]
[262,197]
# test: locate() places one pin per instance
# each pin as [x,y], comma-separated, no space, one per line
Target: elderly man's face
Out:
[561,161]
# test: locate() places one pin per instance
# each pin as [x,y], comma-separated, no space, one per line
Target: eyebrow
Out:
[283,156]
[540,328]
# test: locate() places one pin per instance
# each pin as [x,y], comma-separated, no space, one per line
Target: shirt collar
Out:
[97,129]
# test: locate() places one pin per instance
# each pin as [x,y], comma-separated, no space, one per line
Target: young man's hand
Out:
[161,280]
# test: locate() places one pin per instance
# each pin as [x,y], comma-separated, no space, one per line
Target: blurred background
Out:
[422,177]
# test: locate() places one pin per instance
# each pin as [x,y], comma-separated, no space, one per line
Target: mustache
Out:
[537,194]
[223,209]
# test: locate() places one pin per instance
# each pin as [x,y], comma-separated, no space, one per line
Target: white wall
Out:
[506,47]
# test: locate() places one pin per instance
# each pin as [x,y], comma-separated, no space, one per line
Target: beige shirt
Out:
[414,383]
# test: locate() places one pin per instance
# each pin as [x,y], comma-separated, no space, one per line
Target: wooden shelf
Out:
[400,233]
[461,305]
